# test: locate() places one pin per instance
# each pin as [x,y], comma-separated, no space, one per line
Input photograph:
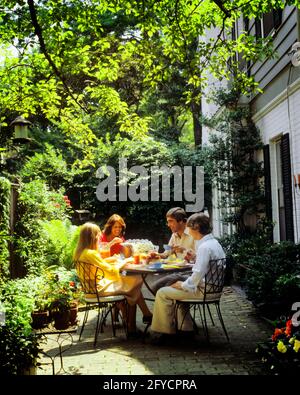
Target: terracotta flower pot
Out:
[61,319]
[73,313]
[40,319]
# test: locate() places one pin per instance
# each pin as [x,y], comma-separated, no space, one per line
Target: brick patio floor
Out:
[119,356]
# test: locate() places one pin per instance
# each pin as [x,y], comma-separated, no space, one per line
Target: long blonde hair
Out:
[87,238]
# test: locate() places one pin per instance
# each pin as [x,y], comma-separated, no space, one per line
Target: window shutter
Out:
[287,186]
[277,17]
[268,191]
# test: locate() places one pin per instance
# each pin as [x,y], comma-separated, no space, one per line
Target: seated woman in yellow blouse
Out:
[113,282]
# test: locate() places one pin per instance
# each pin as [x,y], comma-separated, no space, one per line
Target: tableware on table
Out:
[126,250]
[104,249]
[156,265]
[136,258]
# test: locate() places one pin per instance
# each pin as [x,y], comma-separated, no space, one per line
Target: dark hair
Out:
[110,223]
[177,213]
[199,222]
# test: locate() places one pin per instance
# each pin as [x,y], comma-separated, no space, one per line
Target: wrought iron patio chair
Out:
[90,277]
[214,283]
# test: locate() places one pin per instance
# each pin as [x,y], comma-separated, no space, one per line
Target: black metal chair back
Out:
[215,277]
[90,277]
[213,287]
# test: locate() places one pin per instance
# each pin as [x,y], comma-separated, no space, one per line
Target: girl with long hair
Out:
[113,283]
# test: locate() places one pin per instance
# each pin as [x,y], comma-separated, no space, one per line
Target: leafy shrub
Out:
[18,350]
[62,239]
[49,166]
[36,203]
[274,275]
[240,248]
[19,347]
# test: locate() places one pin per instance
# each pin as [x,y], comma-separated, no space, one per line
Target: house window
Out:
[269,22]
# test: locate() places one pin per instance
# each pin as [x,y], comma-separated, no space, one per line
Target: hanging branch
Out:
[38,32]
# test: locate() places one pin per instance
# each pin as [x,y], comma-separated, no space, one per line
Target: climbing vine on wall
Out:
[235,169]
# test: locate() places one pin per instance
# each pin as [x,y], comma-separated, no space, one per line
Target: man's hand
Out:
[179,249]
[190,256]
[177,285]
[153,255]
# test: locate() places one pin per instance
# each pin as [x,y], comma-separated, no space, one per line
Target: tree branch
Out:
[219,3]
[38,32]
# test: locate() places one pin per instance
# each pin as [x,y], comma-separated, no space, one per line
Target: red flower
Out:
[67,200]
[72,284]
[289,327]
[277,332]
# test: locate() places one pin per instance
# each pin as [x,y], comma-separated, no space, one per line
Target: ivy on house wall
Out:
[235,171]
[5,190]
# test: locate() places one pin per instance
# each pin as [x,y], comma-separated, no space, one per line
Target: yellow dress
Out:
[113,283]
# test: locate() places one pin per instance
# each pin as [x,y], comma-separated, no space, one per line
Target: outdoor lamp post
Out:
[20,137]
[20,125]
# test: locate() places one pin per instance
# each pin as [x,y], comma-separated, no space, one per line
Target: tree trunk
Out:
[196,112]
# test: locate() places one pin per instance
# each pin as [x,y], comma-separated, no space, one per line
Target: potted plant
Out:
[61,305]
[63,294]
[41,313]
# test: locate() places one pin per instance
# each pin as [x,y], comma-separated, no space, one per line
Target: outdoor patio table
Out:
[154,268]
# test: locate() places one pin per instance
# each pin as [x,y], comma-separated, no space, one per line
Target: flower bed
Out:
[281,354]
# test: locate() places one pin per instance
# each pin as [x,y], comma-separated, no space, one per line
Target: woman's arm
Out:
[115,240]
[108,267]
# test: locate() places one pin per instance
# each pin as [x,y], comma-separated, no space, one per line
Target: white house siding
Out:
[280,116]
[209,109]
[275,115]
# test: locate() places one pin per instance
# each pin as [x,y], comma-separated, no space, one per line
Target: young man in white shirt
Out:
[208,249]
[181,243]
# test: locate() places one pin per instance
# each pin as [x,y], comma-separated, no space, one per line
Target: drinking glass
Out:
[104,250]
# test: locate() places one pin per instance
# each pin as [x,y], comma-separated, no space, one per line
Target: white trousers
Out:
[163,319]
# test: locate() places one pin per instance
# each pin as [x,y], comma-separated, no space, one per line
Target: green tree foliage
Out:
[71,63]
[50,166]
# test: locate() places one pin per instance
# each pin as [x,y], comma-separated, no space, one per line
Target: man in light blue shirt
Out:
[208,248]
